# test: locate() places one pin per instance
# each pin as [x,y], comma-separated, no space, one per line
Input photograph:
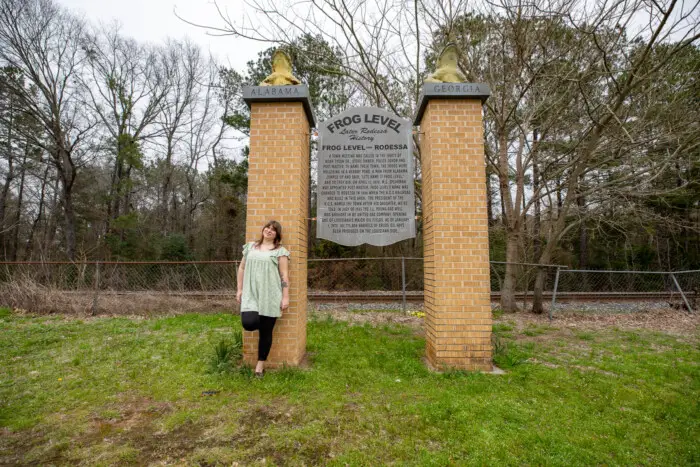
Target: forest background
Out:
[111,149]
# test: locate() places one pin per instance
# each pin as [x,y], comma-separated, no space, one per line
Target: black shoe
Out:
[259,374]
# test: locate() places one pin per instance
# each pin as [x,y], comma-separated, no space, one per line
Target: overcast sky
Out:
[154,20]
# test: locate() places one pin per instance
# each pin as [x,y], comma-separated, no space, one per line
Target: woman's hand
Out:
[285,304]
[239,294]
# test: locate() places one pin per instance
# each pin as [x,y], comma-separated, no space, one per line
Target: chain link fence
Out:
[196,276]
[680,289]
[118,287]
[396,279]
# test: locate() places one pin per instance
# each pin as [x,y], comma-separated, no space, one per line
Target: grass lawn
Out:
[104,391]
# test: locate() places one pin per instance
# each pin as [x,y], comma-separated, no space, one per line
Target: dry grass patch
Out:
[374,317]
[673,322]
[29,296]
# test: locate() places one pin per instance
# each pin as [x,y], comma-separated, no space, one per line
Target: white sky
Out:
[153,20]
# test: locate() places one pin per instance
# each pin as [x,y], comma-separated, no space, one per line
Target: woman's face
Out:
[269,232]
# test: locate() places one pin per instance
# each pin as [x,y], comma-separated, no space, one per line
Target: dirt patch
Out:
[255,422]
[134,422]
[15,445]
[261,417]
[252,435]
[132,414]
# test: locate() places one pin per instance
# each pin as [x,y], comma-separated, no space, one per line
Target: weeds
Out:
[227,353]
[505,355]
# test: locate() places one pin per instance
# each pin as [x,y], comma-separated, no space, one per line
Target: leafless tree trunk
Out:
[18,211]
[53,215]
[29,247]
[537,305]
[182,62]
[8,112]
[3,199]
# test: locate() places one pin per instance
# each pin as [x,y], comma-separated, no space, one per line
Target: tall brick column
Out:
[455,226]
[278,188]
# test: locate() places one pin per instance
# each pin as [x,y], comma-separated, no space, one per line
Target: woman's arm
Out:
[239,280]
[284,275]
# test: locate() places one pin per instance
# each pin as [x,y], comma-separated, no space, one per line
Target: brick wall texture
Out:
[455,229]
[278,188]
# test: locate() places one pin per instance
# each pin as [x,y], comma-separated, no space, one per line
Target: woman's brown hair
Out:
[278,229]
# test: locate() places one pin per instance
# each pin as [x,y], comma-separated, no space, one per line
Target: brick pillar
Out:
[455,230]
[278,188]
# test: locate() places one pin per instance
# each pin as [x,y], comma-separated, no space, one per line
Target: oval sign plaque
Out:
[365,178]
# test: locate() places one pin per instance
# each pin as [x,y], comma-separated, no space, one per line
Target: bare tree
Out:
[40,213]
[45,44]
[182,66]
[562,71]
[378,41]
[10,119]
[126,86]
[613,134]
[206,130]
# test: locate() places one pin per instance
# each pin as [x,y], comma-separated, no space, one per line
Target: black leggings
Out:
[252,321]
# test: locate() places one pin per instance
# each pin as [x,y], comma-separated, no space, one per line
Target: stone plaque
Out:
[365,178]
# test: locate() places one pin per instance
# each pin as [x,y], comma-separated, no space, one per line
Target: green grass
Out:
[115,391]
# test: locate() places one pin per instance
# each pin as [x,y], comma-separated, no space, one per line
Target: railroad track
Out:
[377,297]
[496,296]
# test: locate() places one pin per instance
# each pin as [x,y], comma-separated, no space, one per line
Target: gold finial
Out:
[447,68]
[281,71]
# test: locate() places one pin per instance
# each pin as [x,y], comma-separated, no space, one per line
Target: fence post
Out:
[403,282]
[235,291]
[96,288]
[687,305]
[554,294]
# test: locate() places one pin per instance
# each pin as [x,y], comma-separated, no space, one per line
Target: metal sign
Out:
[365,178]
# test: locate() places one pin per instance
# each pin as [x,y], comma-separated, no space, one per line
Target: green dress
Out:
[262,284]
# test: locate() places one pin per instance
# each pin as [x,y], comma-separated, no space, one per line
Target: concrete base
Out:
[302,364]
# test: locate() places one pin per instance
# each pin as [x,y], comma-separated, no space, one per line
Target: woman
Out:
[263,287]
